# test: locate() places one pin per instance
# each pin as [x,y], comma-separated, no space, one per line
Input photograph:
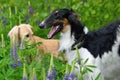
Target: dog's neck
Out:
[68,39]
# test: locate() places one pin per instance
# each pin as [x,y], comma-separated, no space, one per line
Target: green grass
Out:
[93,13]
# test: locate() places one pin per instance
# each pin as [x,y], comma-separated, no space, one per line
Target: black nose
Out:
[41,25]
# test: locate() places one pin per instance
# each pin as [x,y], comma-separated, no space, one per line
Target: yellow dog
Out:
[23,32]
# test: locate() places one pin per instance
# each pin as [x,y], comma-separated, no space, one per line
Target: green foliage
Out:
[93,14]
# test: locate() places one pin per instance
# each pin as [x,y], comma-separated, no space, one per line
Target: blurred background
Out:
[93,13]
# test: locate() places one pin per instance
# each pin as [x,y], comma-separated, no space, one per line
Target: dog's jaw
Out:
[54,30]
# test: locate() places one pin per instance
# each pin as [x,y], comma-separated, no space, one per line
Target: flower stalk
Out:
[72,75]
[51,75]
[78,56]
[19,19]
[33,75]
[66,73]
[44,75]
[25,77]
[10,12]
[3,42]
[15,9]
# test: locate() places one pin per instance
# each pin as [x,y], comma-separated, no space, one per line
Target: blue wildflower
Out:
[30,10]
[51,75]
[66,73]
[38,22]
[27,18]
[15,60]
[66,77]
[19,63]
[4,21]
[72,75]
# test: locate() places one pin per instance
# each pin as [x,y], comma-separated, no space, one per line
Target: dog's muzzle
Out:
[42,26]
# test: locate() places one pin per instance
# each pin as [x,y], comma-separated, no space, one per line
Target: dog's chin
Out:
[54,30]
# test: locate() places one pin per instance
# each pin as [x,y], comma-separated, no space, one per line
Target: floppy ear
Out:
[72,17]
[13,34]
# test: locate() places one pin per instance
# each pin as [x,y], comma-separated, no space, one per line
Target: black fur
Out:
[97,42]
[119,50]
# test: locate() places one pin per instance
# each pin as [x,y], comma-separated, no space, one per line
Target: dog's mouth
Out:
[54,30]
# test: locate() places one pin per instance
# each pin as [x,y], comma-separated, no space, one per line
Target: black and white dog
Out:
[102,47]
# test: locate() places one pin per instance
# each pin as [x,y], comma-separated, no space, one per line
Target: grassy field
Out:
[93,13]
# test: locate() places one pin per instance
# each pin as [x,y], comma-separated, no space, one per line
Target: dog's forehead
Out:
[60,11]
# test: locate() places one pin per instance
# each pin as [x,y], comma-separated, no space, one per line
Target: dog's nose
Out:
[42,25]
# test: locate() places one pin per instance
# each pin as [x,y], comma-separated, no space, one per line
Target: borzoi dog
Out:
[102,47]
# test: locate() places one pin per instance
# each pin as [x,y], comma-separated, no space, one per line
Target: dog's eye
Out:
[27,35]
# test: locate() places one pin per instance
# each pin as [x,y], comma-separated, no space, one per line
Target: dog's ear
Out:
[13,34]
[72,17]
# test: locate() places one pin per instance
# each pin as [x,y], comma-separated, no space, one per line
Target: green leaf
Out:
[91,66]
[90,70]
[98,76]
[86,60]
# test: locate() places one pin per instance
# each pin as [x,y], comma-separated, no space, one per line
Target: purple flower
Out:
[4,21]
[37,22]
[19,63]
[66,77]
[24,78]
[15,60]
[27,18]
[13,66]
[72,76]
[30,10]
[51,75]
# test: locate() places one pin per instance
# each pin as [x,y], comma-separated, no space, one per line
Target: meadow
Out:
[93,13]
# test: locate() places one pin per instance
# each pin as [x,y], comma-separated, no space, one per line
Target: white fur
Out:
[108,65]
[66,40]
[85,30]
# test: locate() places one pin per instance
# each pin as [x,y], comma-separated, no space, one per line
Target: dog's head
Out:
[58,20]
[21,33]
